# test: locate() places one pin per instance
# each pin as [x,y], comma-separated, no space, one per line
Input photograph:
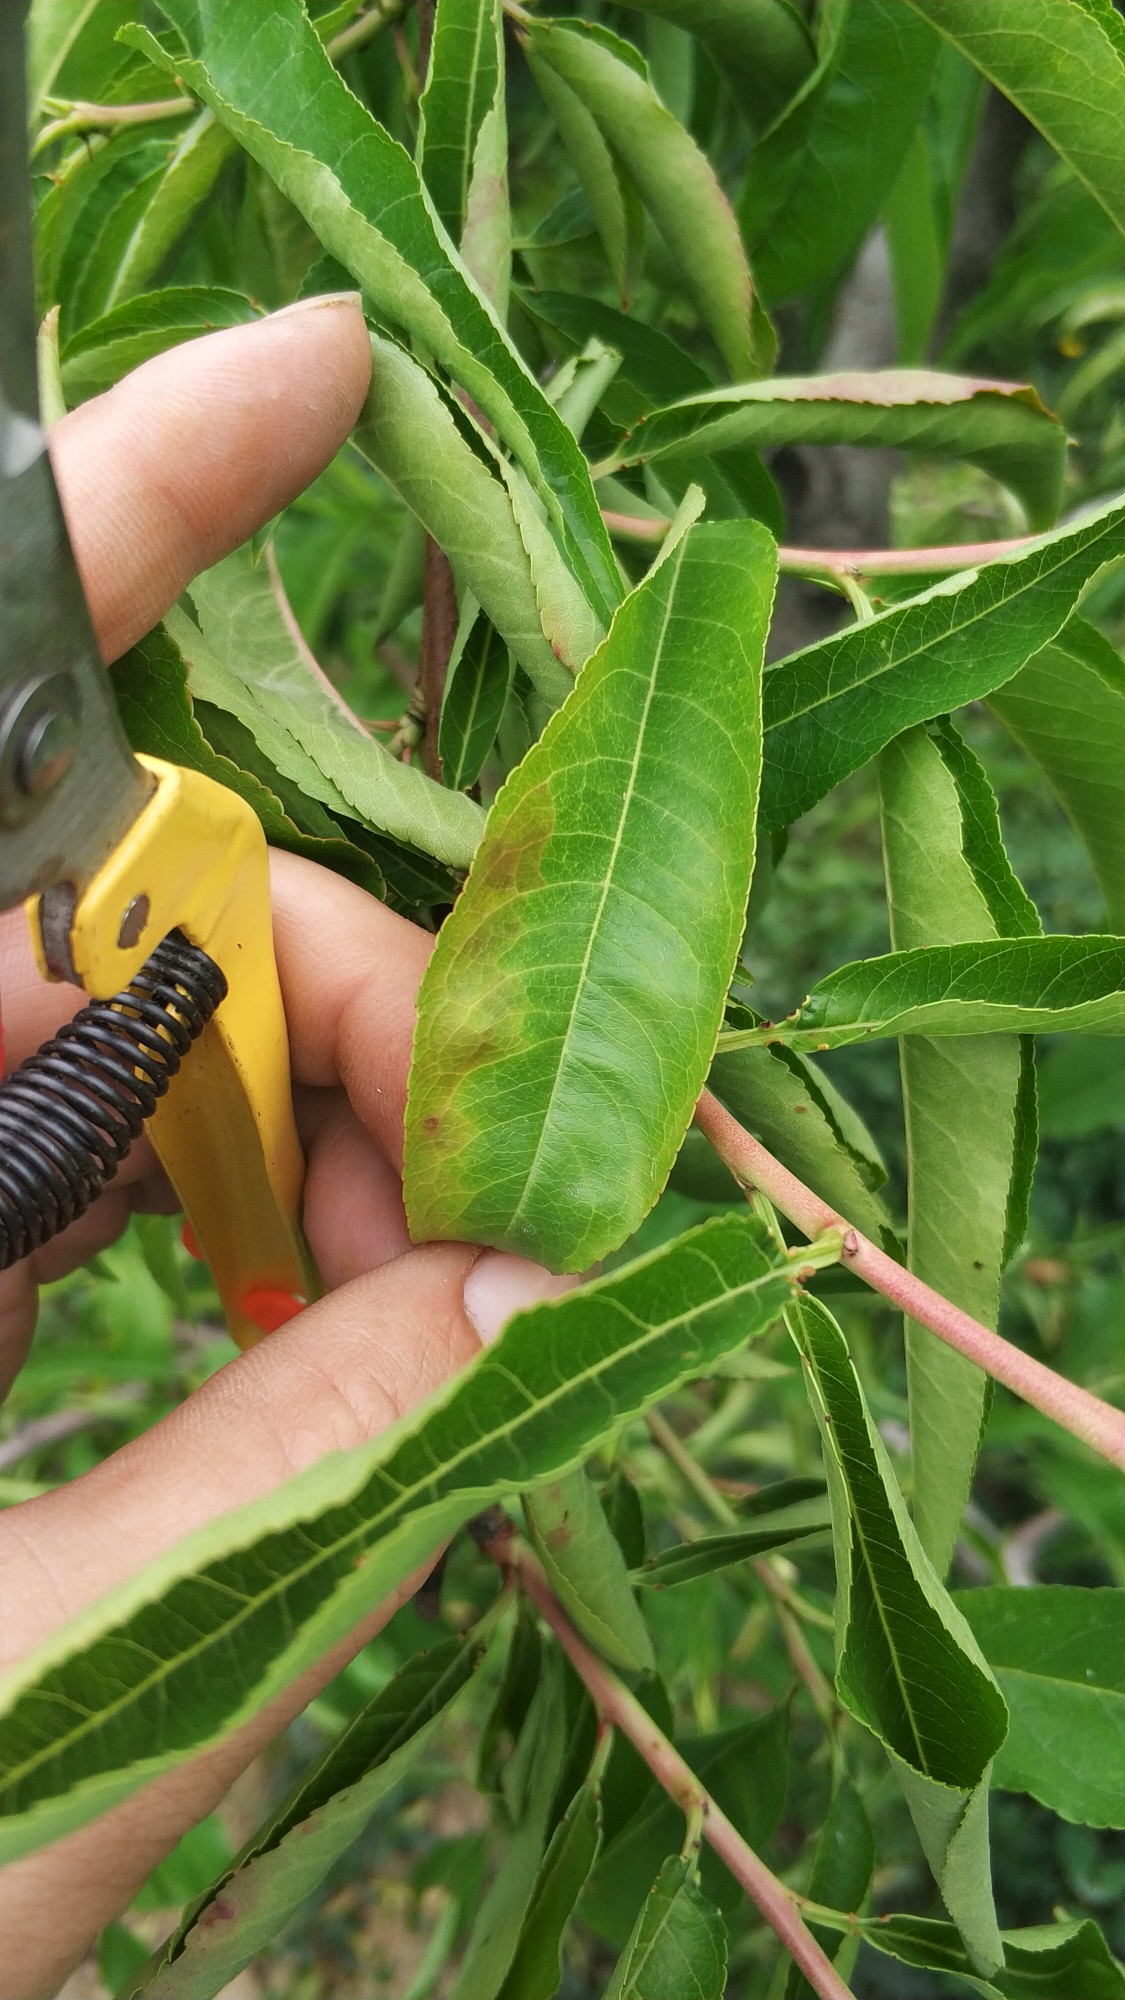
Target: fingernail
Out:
[320,299]
[499,1285]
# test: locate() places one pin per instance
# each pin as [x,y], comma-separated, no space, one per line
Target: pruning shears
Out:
[144,883]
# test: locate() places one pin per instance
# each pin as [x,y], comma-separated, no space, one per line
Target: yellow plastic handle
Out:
[224,1133]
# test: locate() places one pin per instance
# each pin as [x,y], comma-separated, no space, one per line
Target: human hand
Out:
[160,478]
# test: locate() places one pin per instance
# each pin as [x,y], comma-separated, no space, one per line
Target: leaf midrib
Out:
[19,1773]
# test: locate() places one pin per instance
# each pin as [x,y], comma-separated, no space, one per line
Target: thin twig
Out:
[301,645]
[897,562]
[358,32]
[1018,1551]
[840,563]
[689,1469]
[1073,1408]
[635,527]
[720,1509]
[439,630]
[617,1706]
[397,662]
[39,1432]
[79,115]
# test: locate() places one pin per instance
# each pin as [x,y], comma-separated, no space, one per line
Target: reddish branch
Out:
[841,562]
[1075,1409]
[301,645]
[617,1706]
[897,562]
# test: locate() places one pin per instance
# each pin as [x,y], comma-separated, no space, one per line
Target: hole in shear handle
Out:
[70,1113]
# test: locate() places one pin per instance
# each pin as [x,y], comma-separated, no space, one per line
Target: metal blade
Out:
[69,784]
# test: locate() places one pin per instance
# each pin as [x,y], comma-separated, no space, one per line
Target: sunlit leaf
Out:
[568,1016]
[106,349]
[244,657]
[151,688]
[464,69]
[410,432]
[674,178]
[999,426]
[614,202]
[463,138]
[109,206]
[831,707]
[194,164]
[1002,986]
[68,44]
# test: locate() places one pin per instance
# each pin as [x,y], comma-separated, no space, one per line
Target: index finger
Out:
[195,449]
[350,970]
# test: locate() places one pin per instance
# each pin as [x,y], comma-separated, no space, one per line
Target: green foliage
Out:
[1005,431]
[1058,1656]
[652,806]
[1066,707]
[586,962]
[906,1665]
[290,1856]
[1029,985]
[829,708]
[818,176]
[677,1937]
[949,881]
[586,1568]
[1064,66]
[268,1587]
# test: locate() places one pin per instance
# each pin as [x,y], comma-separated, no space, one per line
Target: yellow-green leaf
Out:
[569,1014]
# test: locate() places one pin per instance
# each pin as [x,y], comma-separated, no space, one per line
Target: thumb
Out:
[330,1379]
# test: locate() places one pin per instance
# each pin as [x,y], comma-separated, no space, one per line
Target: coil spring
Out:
[70,1113]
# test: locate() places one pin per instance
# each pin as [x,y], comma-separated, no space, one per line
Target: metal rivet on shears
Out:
[133,923]
[38,739]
